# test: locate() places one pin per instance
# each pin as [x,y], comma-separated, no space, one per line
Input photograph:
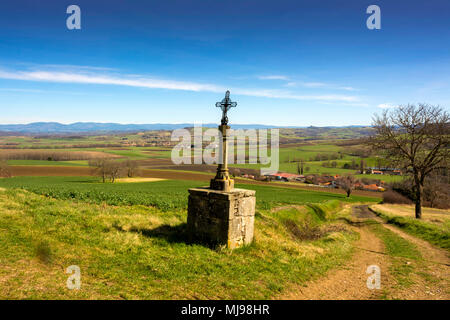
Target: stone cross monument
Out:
[221,214]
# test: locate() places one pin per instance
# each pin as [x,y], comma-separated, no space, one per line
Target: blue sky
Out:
[285,62]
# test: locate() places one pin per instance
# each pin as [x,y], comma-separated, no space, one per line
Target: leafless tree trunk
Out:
[114,170]
[131,168]
[347,183]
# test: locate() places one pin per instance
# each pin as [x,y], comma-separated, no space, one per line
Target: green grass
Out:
[438,235]
[165,195]
[137,252]
[133,153]
[401,251]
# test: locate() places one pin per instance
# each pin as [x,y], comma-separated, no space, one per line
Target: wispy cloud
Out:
[348,88]
[288,95]
[20,90]
[100,78]
[346,104]
[386,106]
[273,77]
[90,78]
[319,85]
[313,84]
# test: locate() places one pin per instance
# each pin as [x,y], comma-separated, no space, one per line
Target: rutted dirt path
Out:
[436,263]
[428,251]
[349,282]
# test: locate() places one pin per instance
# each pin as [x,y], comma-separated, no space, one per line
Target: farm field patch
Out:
[165,195]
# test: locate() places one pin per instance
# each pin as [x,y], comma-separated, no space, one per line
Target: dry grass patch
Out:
[434,226]
[133,180]
[403,210]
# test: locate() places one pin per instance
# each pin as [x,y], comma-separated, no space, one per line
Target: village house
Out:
[391,171]
[283,176]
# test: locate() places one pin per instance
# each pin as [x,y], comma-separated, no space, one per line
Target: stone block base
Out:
[222,184]
[221,218]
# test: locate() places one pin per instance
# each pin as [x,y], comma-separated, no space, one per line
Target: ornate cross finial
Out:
[225,105]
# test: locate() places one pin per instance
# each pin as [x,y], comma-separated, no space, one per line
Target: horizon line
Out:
[178,123]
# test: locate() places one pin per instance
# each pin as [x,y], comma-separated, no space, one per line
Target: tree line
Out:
[108,169]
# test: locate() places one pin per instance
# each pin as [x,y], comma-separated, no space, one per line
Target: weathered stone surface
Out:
[220,217]
[222,184]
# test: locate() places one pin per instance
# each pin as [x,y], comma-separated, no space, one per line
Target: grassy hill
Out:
[129,241]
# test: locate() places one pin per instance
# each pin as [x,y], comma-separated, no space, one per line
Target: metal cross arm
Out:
[225,105]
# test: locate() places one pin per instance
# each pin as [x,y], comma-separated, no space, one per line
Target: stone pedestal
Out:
[222,180]
[220,217]
[226,184]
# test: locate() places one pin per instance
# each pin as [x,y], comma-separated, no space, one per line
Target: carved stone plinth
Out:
[221,218]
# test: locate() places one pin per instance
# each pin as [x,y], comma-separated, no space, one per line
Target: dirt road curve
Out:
[349,281]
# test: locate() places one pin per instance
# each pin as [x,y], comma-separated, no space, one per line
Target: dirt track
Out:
[349,281]
[167,174]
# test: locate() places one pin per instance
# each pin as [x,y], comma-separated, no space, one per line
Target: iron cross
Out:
[225,105]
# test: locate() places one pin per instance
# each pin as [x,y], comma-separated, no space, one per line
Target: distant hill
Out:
[84,127]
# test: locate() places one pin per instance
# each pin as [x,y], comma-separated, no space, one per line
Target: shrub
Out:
[306,231]
[391,196]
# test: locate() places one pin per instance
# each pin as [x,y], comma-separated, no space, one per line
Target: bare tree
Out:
[5,170]
[99,168]
[415,138]
[347,183]
[114,169]
[131,168]
[106,168]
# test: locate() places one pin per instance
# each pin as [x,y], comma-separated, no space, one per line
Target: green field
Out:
[166,195]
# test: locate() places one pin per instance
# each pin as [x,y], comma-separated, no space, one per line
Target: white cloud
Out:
[313,84]
[288,95]
[273,77]
[89,78]
[20,90]
[83,77]
[386,106]
[319,85]
[348,88]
